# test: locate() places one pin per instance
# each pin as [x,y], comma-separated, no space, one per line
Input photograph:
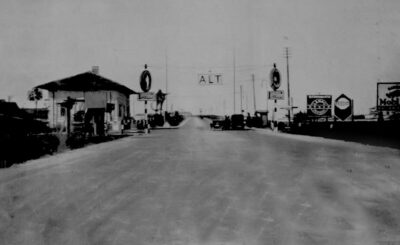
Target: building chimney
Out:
[95,70]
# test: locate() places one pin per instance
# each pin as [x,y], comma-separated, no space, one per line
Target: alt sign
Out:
[210,79]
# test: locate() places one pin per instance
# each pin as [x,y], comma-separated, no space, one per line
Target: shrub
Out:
[175,120]
[50,143]
[20,148]
[76,140]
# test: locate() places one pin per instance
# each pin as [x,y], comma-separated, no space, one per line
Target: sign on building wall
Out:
[343,107]
[95,99]
[388,96]
[210,79]
[319,105]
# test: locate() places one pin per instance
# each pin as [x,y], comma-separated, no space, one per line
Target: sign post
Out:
[145,85]
[276,95]
[275,84]
[147,96]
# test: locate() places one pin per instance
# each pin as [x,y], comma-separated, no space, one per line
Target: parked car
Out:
[217,123]
[237,121]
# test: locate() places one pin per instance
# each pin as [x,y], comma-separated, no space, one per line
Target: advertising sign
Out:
[275,78]
[276,95]
[319,105]
[388,96]
[145,80]
[148,96]
[343,107]
[210,79]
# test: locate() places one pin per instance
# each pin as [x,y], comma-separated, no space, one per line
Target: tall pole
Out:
[254,93]
[68,120]
[146,130]
[266,87]
[241,101]
[234,80]
[247,101]
[166,82]
[274,115]
[224,106]
[288,85]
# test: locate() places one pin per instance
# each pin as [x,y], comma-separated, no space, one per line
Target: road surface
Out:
[197,186]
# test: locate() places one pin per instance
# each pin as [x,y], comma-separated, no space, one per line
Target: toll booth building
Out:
[93,100]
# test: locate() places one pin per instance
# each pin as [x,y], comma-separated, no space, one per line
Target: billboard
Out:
[210,79]
[343,108]
[275,77]
[388,96]
[319,105]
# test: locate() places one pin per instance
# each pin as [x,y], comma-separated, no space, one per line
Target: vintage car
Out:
[218,123]
[237,121]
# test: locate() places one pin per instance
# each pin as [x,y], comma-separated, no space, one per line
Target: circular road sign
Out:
[319,107]
[145,81]
[275,77]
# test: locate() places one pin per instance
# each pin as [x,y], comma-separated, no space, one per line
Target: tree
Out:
[35,95]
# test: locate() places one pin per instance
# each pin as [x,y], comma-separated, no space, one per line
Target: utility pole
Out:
[166,82]
[146,116]
[288,86]
[266,87]
[234,80]
[241,99]
[254,93]
[224,106]
[247,101]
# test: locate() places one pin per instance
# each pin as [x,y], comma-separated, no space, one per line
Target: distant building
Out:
[374,113]
[97,101]
[14,120]
[10,109]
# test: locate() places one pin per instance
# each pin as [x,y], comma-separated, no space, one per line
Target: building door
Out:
[95,116]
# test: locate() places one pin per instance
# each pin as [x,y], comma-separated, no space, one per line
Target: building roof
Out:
[87,81]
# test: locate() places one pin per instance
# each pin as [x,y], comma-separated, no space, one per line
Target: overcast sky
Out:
[341,46]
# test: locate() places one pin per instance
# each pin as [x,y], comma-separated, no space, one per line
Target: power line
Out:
[237,68]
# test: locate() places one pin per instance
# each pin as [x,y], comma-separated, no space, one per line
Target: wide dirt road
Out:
[197,186]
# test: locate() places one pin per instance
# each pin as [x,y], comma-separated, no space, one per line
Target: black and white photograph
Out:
[200,122]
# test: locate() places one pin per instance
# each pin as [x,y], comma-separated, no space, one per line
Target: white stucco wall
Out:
[96,99]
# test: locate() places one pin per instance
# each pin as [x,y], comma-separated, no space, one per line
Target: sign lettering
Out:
[210,79]
[388,96]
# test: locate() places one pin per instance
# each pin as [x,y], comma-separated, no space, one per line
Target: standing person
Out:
[248,120]
[124,124]
[227,123]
